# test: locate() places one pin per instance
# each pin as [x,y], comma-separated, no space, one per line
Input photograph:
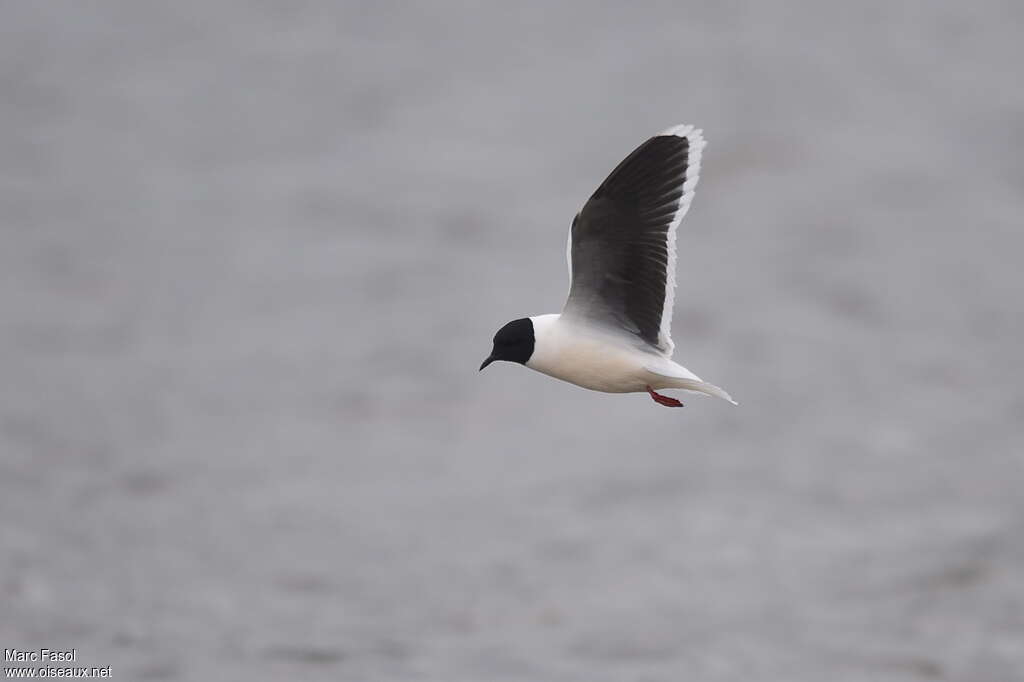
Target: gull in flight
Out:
[614,333]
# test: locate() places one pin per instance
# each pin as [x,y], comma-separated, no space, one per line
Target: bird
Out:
[614,332]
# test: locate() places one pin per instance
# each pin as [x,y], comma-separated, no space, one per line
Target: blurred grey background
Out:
[253,253]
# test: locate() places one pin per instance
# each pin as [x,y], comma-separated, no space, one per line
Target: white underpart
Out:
[595,359]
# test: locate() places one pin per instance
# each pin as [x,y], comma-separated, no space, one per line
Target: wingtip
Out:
[694,134]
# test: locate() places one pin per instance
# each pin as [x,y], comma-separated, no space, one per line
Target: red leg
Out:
[663,399]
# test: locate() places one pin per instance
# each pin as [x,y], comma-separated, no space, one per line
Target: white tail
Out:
[688,381]
[704,387]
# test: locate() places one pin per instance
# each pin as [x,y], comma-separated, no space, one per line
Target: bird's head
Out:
[513,343]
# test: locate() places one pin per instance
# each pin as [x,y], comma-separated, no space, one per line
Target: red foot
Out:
[663,399]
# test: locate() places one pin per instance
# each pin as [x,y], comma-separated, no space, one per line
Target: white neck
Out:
[542,324]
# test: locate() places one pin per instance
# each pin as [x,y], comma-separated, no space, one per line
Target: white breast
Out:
[583,357]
